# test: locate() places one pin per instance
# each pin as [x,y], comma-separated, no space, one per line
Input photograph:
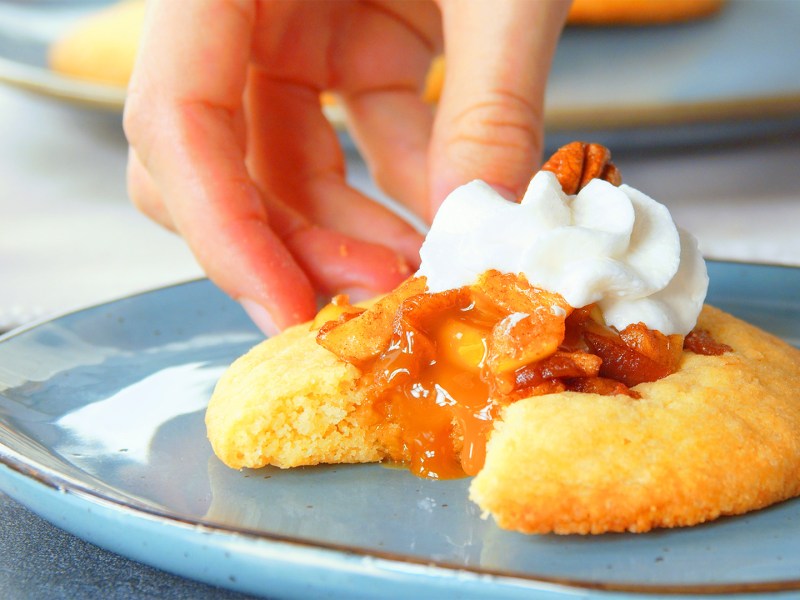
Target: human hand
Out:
[229,146]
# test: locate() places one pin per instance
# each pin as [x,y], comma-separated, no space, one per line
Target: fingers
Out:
[392,129]
[382,94]
[339,264]
[294,154]
[213,204]
[144,193]
[182,119]
[336,262]
[489,120]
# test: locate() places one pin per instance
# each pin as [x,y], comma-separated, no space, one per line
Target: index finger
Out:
[490,117]
[182,117]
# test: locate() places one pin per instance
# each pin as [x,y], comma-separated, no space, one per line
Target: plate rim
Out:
[598,117]
[48,83]
[37,474]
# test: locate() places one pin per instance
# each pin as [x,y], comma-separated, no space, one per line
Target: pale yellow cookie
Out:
[720,436]
[288,403]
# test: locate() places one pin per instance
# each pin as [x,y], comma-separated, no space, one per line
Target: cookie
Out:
[102,47]
[720,436]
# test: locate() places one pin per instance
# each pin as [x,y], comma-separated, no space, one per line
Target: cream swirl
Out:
[613,246]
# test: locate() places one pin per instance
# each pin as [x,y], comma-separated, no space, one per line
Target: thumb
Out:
[489,120]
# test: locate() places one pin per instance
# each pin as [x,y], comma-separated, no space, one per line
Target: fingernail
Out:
[260,316]
[505,192]
[359,294]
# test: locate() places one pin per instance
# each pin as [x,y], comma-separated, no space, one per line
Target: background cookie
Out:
[640,12]
[102,47]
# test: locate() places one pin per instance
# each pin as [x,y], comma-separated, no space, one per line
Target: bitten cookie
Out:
[720,436]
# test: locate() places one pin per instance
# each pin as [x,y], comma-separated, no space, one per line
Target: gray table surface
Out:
[61,164]
[38,560]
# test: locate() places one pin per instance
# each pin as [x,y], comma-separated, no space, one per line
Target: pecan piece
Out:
[577,163]
[700,341]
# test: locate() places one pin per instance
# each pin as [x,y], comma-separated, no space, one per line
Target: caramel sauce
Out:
[700,341]
[440,367]
[436,395]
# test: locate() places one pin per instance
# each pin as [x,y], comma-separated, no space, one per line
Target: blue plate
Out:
[101,432]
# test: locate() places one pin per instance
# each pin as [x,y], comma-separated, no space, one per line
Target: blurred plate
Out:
[27,29]
[101,432]
[738,66]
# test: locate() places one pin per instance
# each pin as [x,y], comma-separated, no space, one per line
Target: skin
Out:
[230,149]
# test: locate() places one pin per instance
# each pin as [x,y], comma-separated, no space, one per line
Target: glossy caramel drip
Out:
[700,341]
[436,395]
[440,367]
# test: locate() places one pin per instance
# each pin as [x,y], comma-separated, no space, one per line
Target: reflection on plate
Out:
[101,432]
[718,70]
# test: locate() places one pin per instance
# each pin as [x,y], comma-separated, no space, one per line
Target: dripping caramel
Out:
[441,366]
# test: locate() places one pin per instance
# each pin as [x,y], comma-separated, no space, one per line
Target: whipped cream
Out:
[613,246]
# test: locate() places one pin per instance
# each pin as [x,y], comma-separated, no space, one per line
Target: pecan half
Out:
[577,163]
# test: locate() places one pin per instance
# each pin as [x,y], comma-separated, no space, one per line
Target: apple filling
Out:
[440,367]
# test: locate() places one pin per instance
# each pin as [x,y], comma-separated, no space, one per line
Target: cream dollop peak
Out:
[610,245]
